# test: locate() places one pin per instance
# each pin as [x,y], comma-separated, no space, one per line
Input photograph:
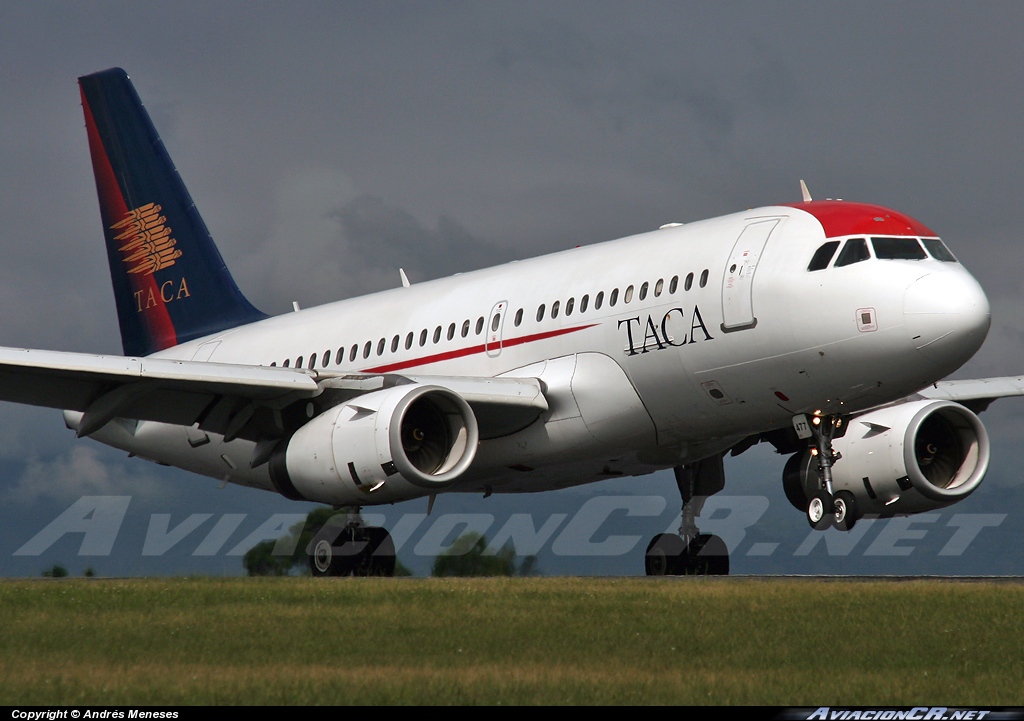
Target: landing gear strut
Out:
[346,546]
[826,508]
[690,552]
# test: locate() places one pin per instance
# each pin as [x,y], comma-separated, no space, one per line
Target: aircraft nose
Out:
[947,316]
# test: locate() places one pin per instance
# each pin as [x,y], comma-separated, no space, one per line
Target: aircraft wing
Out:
[978,393]
[231,399]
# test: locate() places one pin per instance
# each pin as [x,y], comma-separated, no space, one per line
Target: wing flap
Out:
[170,391]
[233,400]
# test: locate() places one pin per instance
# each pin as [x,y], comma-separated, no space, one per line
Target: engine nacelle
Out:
[386,446]
[900,460]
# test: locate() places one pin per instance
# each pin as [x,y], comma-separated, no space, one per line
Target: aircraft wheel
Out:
[707,556]
[819,511]
[665,555]
[845,511]
[378,557]
[335,551]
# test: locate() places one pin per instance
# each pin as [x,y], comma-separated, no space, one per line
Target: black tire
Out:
[707,556]
[797,469]
[664,555]
[846,514]
[378,558]
[334,551]
[820,508]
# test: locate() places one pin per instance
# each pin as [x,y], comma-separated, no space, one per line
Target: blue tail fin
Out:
[170,282]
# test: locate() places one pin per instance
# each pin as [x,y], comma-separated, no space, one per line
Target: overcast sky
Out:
[327,144]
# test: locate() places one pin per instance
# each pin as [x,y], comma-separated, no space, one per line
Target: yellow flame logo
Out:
[146,239]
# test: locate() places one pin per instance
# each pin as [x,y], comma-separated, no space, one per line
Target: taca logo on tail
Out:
[170,283]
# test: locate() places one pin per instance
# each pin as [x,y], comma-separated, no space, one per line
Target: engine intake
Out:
[386,446]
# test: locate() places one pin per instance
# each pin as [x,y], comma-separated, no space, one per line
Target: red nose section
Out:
[840,218]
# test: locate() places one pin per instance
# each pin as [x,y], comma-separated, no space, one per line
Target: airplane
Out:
[822,327]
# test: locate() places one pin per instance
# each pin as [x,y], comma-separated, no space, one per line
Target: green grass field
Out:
[510,641]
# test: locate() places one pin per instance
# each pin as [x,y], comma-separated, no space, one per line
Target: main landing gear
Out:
[826,508]
[689,552]
[346,546]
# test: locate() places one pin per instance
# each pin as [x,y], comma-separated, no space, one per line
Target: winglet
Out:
[805,192]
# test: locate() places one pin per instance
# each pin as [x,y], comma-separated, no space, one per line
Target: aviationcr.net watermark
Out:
[602,526]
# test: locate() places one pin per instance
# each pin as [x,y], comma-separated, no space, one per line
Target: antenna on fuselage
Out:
[805,192]
[405,278]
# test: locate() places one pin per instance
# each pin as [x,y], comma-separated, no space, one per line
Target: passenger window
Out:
[339,357]
[613,298]
[554,309]
[689,281]
[821,257]
[673,285]
[855,250]
[704,278]
[327,359]
[367,348]
[583,303]
[312,361]
[298,363]
[540,313]
[495,321]
[643,292]
[465,328]
[287,362]
[519,317]
[938,250]
[599,300]
[897,249]
[628,295]
[451,331]
[394,344]
[569,305]
[408,341]
[352,353]
[659,286]
[437,335]
[423,337]
[380,346]
[480,324]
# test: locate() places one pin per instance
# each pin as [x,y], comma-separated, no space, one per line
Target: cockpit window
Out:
[897,249]
[823,255]
[938,250]
[855,250]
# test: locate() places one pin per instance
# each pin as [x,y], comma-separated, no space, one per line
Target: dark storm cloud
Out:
[612,82]
[381,236]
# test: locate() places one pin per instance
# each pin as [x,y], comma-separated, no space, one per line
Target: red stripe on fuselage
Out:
[113,208]
[472,350]
[840,218]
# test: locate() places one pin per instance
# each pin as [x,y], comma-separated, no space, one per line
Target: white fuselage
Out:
[666,347]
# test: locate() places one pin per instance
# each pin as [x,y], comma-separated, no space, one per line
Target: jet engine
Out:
[385,446]
[899,460]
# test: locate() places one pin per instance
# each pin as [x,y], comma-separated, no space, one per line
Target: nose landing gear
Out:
[825,507]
